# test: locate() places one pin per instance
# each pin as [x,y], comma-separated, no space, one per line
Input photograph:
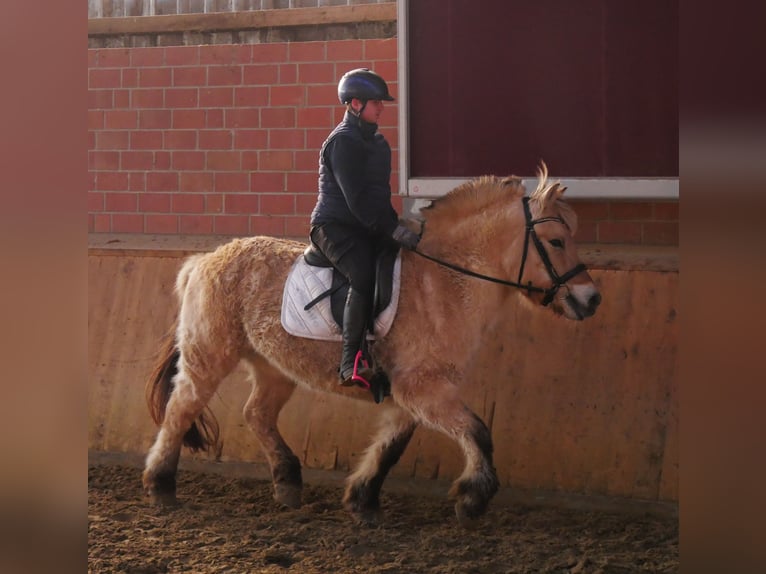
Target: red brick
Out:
[181,55]
[278,204]
[162,160]
[305,202]
[216,97]
[297,227]
[112,140]
[243,117]
[189,76]
[323,73]
[188,203]
[100,78]
[181,98]
[122,98]
[287,139]
[161,224]
[162,181]
[630,210]
[146,140]
[95,201]
[288,74]
[136,160]
[231,225]
[265,182]
[127,223]
[154,119]
[225,54]
[298,182]
[251,97]
[251,139]
[267,225]
[137,181]
[287,95]
[223,160]
[276,52]
[95,119]
[196,224]
[315,118]
[196,181]
[147,57]
[241,203]
[214,203]
[120,119]
[224,76]
[114,58]
[104,160]
[188,160]
[122,202]
[100,99]
[666,210]
[344,50]
[229,182]
[93,58]
[619,232]
[188,119]
[249,160]
[102,223]
[215,139]
[154,202]
[278,118]
[258,74]
[276,160]
[590,210]
[155,77]
[388,71]
[380,49]
[660,233]
[180,139]
[129,78]
[325,95]
[315,138]
[307,51]
[147,98]
[214,119]
[307,160]
[91,181]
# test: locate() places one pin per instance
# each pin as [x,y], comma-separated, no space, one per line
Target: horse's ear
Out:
[560,189]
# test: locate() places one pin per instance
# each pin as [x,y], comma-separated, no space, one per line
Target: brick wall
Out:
[218,139]
[224,139]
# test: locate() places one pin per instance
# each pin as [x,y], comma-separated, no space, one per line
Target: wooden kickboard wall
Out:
[589,407]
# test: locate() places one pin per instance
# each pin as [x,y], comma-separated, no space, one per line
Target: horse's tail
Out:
[204,432]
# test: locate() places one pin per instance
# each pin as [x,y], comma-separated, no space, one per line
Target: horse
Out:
[475,241]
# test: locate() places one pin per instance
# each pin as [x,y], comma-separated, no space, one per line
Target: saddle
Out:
[384,280]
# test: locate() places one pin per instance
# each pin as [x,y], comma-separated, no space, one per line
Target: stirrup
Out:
[356,378]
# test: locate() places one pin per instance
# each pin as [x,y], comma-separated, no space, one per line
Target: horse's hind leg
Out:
[433,399]
[192,388]
[271,390]
[362,496]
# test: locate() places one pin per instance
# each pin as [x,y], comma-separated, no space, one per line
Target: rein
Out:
[558,280]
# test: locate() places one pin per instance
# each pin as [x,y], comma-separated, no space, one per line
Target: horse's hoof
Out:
[288,495]
[466,519]
[368,518]
[163,499]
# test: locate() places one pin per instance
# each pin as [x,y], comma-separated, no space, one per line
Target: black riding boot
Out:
[355,316]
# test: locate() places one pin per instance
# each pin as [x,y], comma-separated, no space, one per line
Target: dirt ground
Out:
[233,525]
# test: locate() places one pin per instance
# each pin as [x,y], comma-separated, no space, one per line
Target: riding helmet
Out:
[363,84]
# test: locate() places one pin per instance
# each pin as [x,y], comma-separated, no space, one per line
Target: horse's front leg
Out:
[271,390]
[362,496]
[432,398]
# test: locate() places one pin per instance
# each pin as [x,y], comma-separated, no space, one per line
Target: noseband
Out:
[558,280]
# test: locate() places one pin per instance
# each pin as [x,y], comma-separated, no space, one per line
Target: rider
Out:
[353,219]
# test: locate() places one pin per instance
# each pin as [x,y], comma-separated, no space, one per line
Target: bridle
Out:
[558,280]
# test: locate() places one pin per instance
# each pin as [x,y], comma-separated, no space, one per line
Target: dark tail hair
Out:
[204,432]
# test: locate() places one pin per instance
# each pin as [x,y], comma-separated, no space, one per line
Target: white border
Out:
[583,188]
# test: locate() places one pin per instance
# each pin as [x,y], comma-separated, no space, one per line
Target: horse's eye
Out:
[557,243]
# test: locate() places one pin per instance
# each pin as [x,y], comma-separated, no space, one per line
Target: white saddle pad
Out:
[306,282]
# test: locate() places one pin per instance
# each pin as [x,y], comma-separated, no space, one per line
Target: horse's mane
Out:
[490,193]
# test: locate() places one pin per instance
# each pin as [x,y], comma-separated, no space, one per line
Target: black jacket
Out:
[354,179]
